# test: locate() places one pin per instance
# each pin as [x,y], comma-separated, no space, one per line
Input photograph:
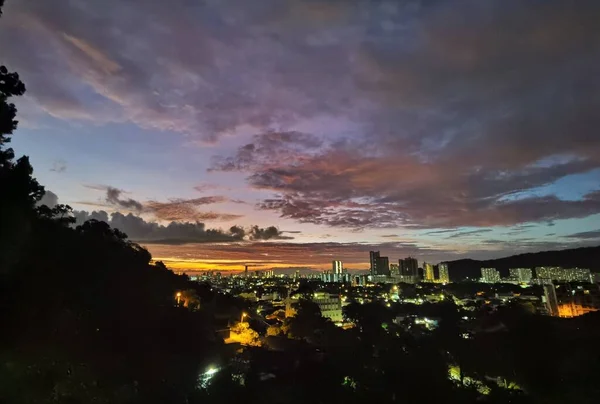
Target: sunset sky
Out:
[437,129]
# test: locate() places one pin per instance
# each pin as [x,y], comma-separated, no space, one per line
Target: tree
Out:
[274,330]
[369,317]
[245,335]
[19,190]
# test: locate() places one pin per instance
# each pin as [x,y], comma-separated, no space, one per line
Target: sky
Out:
[291,133]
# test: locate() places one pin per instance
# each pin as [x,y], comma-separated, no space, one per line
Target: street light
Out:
[243,315]
[178,295]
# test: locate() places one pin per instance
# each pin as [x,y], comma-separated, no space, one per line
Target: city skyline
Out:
[290,134]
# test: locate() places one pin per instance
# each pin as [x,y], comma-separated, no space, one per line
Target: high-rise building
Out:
[444,274]
[394,269]
[383,266]
[337,270]
[521,275]
[428,272]
[409,270]
[545,274]
[408,266]
[373,257]
[550,299]
[336,267]
[490,275]
[337,273]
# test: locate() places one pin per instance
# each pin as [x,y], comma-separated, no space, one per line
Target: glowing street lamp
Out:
[178,295]
[243,315]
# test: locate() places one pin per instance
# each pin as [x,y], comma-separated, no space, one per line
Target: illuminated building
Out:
[373,257]
[566,300]
[550,299]
[444,274]
[521,275]
[337,269]
[337,274]
[428,272]
[359,280]
[490,275]
[330,305]
[394,269]
[545,274]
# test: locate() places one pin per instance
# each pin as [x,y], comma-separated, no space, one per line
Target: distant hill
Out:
[585,257]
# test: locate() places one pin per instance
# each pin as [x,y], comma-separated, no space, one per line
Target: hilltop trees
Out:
[85,315]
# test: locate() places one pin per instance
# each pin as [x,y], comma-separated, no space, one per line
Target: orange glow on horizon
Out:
[192,265]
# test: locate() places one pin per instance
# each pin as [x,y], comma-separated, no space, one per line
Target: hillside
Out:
[585,257]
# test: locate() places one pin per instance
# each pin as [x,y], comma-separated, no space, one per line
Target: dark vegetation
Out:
[87,318]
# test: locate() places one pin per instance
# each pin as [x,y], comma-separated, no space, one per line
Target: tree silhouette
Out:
[19,190]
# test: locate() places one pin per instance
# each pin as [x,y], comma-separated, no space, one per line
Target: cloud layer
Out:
[175,209]
[395,114]
[142,231]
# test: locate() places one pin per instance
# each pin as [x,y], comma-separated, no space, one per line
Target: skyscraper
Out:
[336,267]
[383,266]
[444,274]
[373,256]
[337,270]
[408,266]
[429,274]
[490,275]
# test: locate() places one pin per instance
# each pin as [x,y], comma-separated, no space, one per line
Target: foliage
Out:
[242,333]
[274,330]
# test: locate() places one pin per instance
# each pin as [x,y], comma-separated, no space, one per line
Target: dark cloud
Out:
[443,231]
[49,199]
[369,113]
[290,147]
[206,187]
[113,196]
[187,209]
[594,234]
[59,166]
[176,209]
[470,233]
[494,102]
[268,233]
[237,231]
[203,54]
[175,232]
[340,188]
